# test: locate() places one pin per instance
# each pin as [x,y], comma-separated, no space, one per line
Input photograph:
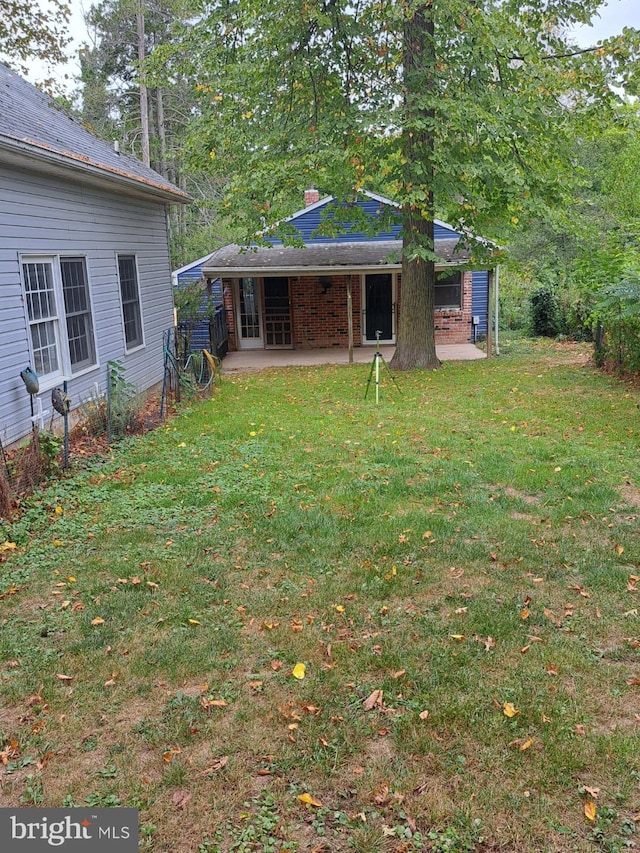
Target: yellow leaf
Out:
[193,622]
[299,671]
[58,542]
[339,608]
[509,710]
[8,546]
[458,637]
[97,621]
[71,579]
[309,800]
[59,510]
[528,742]
[590,810]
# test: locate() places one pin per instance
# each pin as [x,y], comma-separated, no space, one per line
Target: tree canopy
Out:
[28,30]
[467,110]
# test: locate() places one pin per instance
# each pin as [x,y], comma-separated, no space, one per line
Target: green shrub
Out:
[546,316]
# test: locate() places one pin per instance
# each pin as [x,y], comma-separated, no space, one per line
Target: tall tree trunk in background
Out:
[416,329]
[144,95]
[162,133]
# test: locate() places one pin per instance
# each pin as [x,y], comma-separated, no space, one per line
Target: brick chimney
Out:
[311,196]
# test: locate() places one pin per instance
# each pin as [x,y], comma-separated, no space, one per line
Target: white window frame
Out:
[141,343]
[57,320]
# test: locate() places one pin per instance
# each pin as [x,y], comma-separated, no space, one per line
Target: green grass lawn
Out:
[457,569]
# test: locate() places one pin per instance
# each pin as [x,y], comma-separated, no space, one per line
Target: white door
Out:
[249,313]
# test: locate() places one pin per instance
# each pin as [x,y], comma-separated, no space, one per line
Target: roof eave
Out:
[304,272]
[65,162]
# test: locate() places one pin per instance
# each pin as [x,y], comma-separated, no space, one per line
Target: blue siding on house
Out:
[200,332]
[308,222]
[480,300]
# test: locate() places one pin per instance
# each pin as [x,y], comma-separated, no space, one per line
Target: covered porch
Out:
[260,359]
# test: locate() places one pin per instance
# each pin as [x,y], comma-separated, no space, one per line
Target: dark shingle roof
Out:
[32,126]
[233,260]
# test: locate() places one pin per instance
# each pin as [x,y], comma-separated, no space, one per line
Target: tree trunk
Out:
[144,95]
[416,345]
[162,133]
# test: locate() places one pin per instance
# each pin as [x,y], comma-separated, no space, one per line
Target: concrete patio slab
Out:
[261,359]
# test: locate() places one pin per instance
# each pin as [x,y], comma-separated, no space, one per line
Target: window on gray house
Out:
[77,309]
[59,315]
[130,295]
[449,291]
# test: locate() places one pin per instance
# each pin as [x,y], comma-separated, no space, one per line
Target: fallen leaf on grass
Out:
[590,810]
[97,621]
[180,799]
[212,703]
[169,754]
[527,743]
[299,671]
[423,715]
[509,710]
[40,763]
[308,800]
[61,677]
[217,765]
[634,680]
[193,622]
[374,699]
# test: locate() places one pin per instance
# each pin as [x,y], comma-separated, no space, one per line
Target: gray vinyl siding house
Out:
[85,274]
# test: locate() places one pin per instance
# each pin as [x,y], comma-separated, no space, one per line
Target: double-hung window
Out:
[130,296]
[59,315]
[448,291]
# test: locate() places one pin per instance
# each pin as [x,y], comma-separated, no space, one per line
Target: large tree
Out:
[462,108]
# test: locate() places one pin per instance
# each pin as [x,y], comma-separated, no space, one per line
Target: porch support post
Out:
[490,315]
[350,318]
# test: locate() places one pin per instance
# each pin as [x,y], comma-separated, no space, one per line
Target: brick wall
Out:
[319,318]
[454,327]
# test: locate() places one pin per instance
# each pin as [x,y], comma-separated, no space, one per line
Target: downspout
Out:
[495,313]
